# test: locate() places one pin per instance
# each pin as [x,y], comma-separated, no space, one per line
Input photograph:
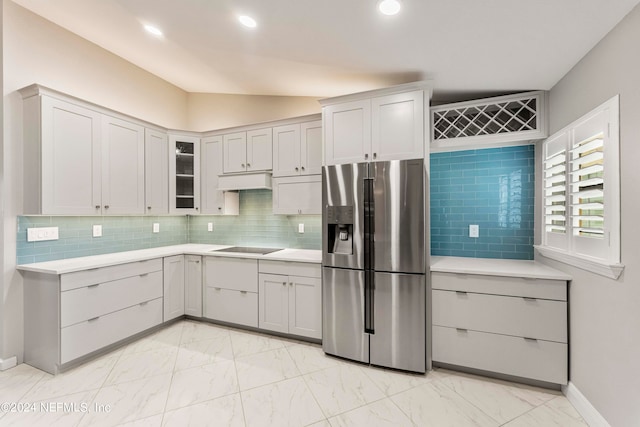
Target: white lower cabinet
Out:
[290,298]
[173,287]
[193,285]
[508,325]
[72,315]
[231,290]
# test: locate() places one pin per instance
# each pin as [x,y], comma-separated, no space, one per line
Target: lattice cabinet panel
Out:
[511,118]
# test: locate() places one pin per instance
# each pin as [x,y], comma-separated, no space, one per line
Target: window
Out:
[581,193]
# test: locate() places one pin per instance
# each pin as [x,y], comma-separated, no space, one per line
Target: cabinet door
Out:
[212,199]
[122,167]
[296,195]
[286,150]
[305,306]
[347,132]
[173,287]
[193,286]
[273,304]
[235,152]
[259,150]
[398,126]
[156,184]
[311,148]
[71,176]
[184,174]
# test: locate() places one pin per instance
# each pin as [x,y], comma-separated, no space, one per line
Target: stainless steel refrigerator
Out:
[373,278]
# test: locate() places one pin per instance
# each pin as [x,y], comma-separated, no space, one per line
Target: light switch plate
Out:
[474,230]
[209,226]
[300,228]
[97,231]
[156,227]
[42,233]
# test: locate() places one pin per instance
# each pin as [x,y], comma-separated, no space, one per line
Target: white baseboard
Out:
[8,363]
[584,407]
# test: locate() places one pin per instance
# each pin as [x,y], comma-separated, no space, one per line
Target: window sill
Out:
[612,271]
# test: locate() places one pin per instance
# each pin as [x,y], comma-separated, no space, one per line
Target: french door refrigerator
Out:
[373,276]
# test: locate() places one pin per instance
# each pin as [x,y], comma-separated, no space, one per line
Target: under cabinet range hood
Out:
[245,181]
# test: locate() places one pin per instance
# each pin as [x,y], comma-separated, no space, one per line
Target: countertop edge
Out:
[496,267]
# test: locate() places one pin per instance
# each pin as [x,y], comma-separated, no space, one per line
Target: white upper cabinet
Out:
[122,167]
[214,201]
[184,174]
[249,151]
[156,155]
[78,161]
[397,126]
[386,124]
[297,149]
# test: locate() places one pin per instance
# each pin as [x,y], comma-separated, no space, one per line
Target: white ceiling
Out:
[332,47]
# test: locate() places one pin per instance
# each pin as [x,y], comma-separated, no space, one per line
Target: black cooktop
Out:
[248,250]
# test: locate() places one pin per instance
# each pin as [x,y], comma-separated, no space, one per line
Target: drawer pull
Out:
[197,261]
[290,283]
[93,319]
[284,283]
[217,289]
[530,339]
[144,274]
[462,330]
[529,299]
[462,293]
[93,286]
[243,292]
[144,303]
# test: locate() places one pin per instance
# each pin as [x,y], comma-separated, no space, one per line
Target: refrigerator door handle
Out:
[369,292]
[368,223]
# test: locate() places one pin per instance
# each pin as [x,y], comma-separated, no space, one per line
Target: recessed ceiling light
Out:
[389,7]
[247,21]
[153,30]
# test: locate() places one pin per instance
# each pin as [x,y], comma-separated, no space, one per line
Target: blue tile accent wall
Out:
[255,226]
[493,188]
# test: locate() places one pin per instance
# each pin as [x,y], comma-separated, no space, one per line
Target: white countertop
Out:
[496,267]
[95,261]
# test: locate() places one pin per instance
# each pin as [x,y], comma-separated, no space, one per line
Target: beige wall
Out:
[209,111]
[605,314]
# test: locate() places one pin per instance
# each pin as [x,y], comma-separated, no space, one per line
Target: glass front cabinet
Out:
[184,174]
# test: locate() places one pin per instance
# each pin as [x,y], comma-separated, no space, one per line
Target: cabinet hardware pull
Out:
[197,261]
[219,208]
[144,274]
[93,319]
[106,206]
[248,165]
[461,293]
[149,207]
[196,208]
[284,283]
[97,206]
[375,155]
[530,299]
[243,292]
[242,164]
[302,168]
[217,289]
[290,283]
[461,330]
[366,156]
[144,303]
[296,169]
[94,286]
[530,339]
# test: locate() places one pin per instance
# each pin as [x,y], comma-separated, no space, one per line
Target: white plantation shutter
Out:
[581,188]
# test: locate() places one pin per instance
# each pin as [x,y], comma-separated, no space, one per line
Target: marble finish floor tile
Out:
[17,381]
[342,388]
[59,412]
[247,343]
[167,337]
[285,403]
[154,421]
[500,400]
[198,353]
[199,384]
[201,331]
[393,382]
[224,411]
[310,358]
[558,412]
[265,368]
[435,405]
[383,413]
[142,365]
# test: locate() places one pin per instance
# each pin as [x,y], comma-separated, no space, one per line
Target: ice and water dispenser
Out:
[339,221]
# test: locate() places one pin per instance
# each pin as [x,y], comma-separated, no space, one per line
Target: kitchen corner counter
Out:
[496,267]
[70,265]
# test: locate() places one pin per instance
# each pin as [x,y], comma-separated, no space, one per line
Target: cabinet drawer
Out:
[88,302]
[231,306]
[86,337]
[535,359]
[522,317]
[500,285]
[231,273]
[287,268]
[79,279]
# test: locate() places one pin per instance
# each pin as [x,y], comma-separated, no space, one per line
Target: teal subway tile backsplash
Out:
[493,188]
[255,226]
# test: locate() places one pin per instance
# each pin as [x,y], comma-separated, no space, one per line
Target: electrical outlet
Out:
[156,227]
[42,233]
[474,230]
[97,231]
[209,226]
[300,228]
